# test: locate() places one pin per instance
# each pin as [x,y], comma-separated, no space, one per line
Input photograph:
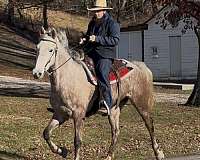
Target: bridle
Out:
[50,72]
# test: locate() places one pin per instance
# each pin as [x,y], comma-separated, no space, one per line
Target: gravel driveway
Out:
[171,97]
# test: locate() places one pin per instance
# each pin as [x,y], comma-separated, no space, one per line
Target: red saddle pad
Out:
[122,72]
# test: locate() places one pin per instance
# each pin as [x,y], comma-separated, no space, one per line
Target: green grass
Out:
[22,121]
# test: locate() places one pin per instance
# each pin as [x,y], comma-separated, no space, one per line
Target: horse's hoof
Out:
[64,152]
[160,155]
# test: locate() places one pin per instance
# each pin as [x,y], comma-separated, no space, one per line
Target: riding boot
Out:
[104,108]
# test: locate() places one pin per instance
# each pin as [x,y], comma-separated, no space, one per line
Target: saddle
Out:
[118,70]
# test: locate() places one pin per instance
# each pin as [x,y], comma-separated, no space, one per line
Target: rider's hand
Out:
[92,38]
[82,40]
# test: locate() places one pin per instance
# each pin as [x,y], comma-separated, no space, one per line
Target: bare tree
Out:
[124,8]
[11,11]
[45,15]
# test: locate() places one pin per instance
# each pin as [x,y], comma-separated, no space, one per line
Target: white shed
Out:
[169,54]
[131,45]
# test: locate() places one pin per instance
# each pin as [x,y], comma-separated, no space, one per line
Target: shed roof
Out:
[144,26]
[139,27]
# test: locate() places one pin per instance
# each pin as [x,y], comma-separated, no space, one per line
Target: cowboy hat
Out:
[99,5]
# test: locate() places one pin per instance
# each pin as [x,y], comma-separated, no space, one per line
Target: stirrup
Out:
[103,108]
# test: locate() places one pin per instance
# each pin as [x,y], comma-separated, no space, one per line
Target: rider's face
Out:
[99,14]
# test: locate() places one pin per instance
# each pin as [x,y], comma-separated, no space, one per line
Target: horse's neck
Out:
[66,70]
[63,59]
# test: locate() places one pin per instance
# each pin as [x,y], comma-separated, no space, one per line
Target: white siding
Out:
[155,36]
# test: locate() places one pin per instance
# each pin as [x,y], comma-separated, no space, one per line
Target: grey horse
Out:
[72,96]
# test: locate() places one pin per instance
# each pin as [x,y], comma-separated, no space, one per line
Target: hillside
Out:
[66,20]
[17,50]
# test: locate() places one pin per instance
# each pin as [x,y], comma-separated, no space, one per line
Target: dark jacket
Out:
[107,37]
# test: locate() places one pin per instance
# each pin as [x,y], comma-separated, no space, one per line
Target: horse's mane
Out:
[62,37]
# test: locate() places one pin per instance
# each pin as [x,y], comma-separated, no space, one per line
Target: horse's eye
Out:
[51,50]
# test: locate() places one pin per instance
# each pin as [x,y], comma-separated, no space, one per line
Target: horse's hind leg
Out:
[150,127]
[114,123]
[53,124]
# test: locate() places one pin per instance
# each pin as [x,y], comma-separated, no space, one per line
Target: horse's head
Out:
[46,52]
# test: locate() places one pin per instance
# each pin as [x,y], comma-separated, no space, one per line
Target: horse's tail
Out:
[149,78]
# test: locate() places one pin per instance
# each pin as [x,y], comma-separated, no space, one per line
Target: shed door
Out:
[130,45]
[123,45]
[135,48]
[175,56]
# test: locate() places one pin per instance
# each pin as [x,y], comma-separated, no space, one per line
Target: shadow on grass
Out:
[4,155]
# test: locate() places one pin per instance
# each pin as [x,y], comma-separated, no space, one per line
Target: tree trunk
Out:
[118,11]
[45,17]
[12,86]
[11,12]
[194,99]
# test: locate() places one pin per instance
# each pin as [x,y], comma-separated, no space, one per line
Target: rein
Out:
[53,70]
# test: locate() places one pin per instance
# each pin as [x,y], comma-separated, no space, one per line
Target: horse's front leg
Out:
[114,123]
[53,124]
[78,125]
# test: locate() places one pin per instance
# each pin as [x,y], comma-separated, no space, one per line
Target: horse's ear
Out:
[42,31]
[53,32]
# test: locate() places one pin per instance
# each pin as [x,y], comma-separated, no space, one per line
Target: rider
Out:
[103,35]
